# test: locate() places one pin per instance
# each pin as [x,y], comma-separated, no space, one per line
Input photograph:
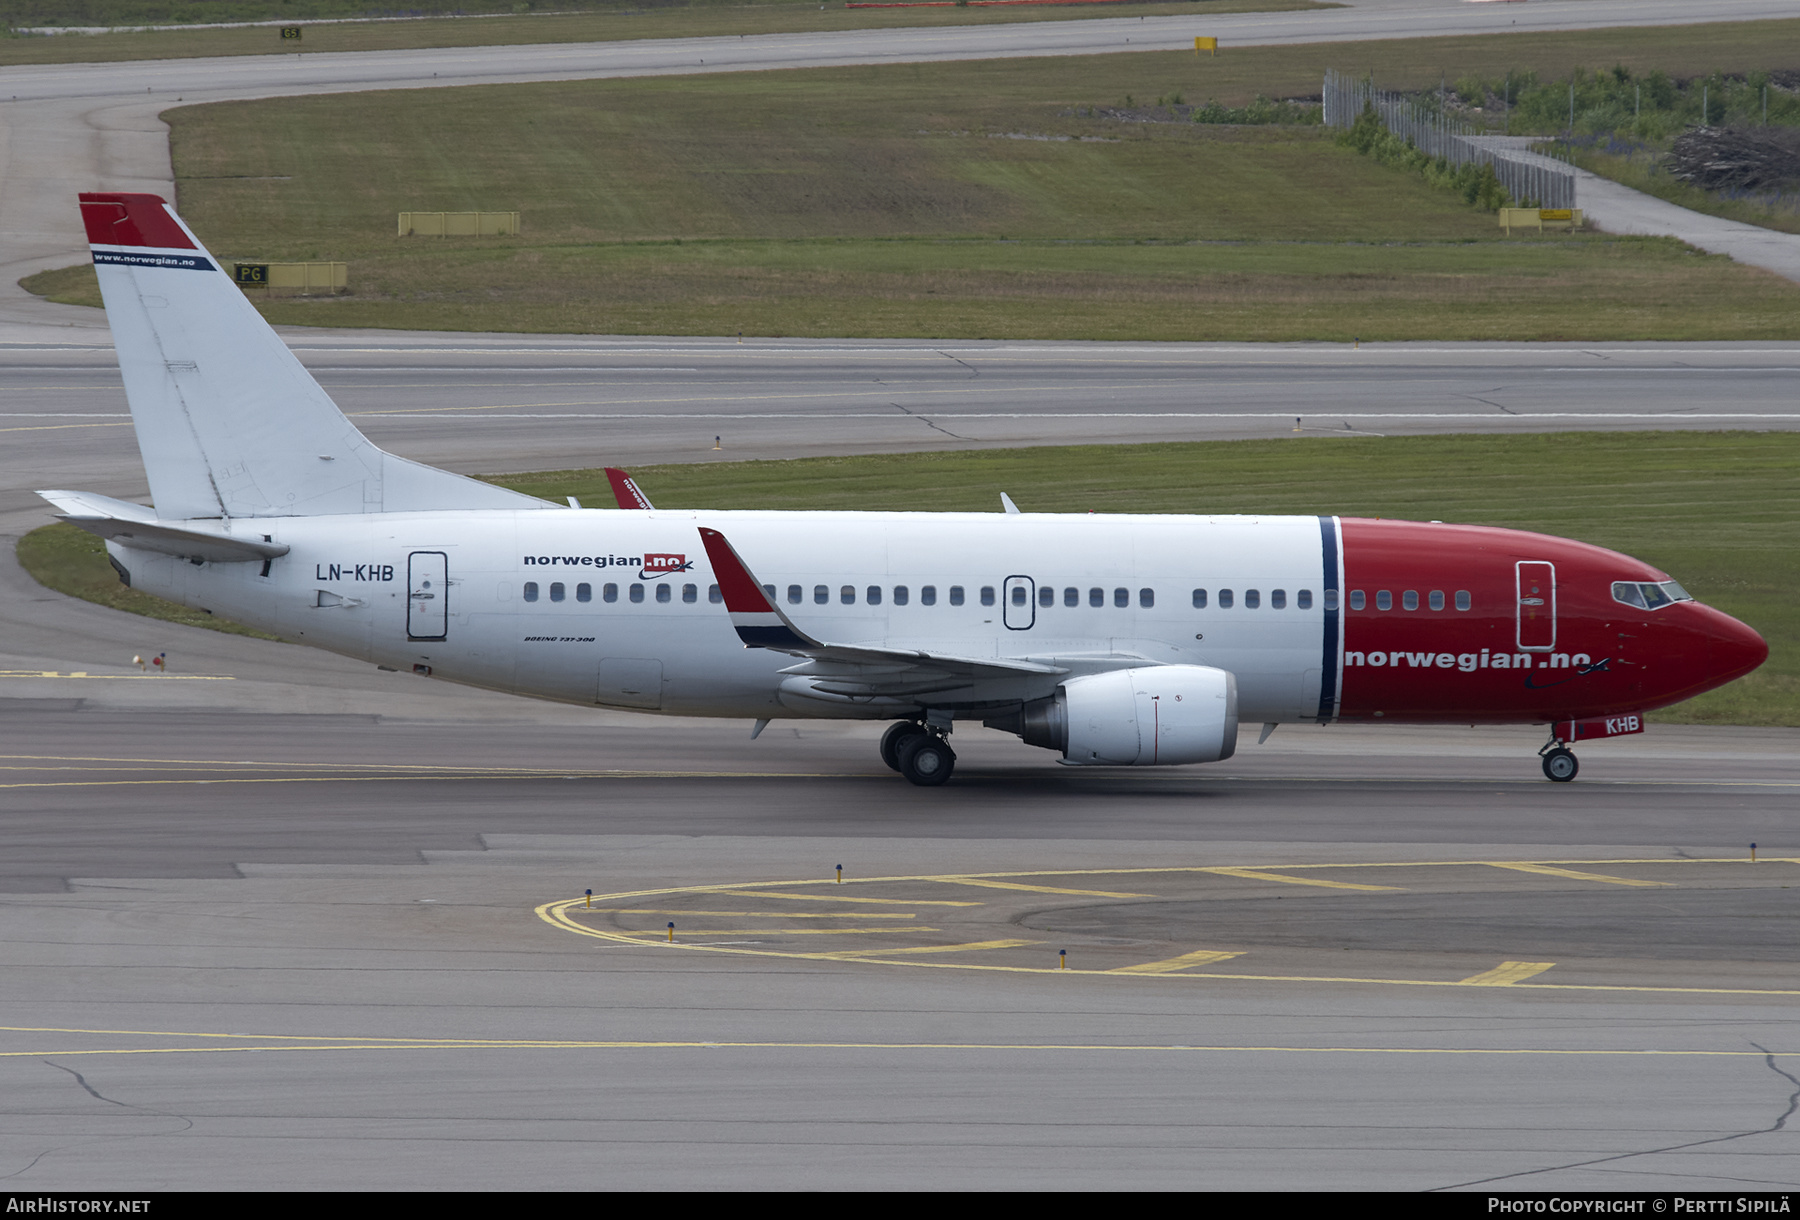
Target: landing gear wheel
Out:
[926,760]
[893,742]
[1560,765]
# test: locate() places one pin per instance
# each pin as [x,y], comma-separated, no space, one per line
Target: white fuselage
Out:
[616,607]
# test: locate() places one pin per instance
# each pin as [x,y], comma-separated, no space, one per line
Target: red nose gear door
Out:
[1537,606]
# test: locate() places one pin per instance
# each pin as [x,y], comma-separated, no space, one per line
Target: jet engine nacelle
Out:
[1160,715]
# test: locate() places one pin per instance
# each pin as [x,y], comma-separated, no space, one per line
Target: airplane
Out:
[1112,640]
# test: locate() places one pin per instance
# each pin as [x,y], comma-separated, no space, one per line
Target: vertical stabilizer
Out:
[228,420]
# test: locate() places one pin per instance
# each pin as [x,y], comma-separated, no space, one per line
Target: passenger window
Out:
[1018,595]
[1303,599]
[821,595]
[637,593]
[928,595]
[664,593]
[1096,597]
[1462,599]
[1199,599]
[1225,599]
[1252,599]
[1046,595]
[899,595]
[1121,598]
[556,591]
[795,593]
[1278,599]
[1146,598]
[874,595]
[713,595]
[1357,600]
[769,592]
[531,590]
[987,595]
[1071,596]
[609,593]
[1331,599]
[847,595]
[956,595]
[1384,600]
[584,593]
[690,594]
[1410,599]
[1437,599]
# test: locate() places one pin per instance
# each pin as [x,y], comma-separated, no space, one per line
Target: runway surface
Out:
[487,403]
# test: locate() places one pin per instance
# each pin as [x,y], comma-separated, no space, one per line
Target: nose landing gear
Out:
[919,753]
[1560,763]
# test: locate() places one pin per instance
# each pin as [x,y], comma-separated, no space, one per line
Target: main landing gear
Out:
[918,752]
[1560,763]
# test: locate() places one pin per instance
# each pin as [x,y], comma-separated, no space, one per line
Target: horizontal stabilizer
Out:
[136,526]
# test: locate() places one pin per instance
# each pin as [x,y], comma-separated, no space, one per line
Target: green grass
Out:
[622,20]
[73,561]
[1717,510]
[1540,289]
[889,201]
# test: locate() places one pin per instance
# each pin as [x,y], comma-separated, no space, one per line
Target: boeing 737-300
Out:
[1113,640]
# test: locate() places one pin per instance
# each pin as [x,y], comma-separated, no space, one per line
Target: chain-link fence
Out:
[1525,175]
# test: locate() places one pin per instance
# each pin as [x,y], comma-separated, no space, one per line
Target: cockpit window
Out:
[1647,596]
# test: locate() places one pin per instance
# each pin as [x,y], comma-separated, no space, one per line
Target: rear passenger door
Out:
[427,600]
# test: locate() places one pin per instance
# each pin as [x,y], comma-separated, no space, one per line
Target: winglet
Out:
[759,622]
[1012,510]
[625,490]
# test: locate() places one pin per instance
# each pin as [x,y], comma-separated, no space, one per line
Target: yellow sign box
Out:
[303,278]
[459,224]
[1540,218]
[1209,45]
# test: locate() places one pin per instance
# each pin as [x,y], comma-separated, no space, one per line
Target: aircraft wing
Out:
[137,526]
[760,623]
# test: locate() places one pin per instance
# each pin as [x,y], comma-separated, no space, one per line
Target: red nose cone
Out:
[1733,649]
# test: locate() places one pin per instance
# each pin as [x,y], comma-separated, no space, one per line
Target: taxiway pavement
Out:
[272,919]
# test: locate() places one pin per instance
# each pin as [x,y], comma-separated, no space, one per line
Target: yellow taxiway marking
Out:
[337,770]
[972,947]
[560,914]
[1506,974]
[1252,874]
[1572,874]
[1033,889]
[214,1043]
[50,673]
[57,427]
[1199,957]
[886,902]
[765,914]
[681,931]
